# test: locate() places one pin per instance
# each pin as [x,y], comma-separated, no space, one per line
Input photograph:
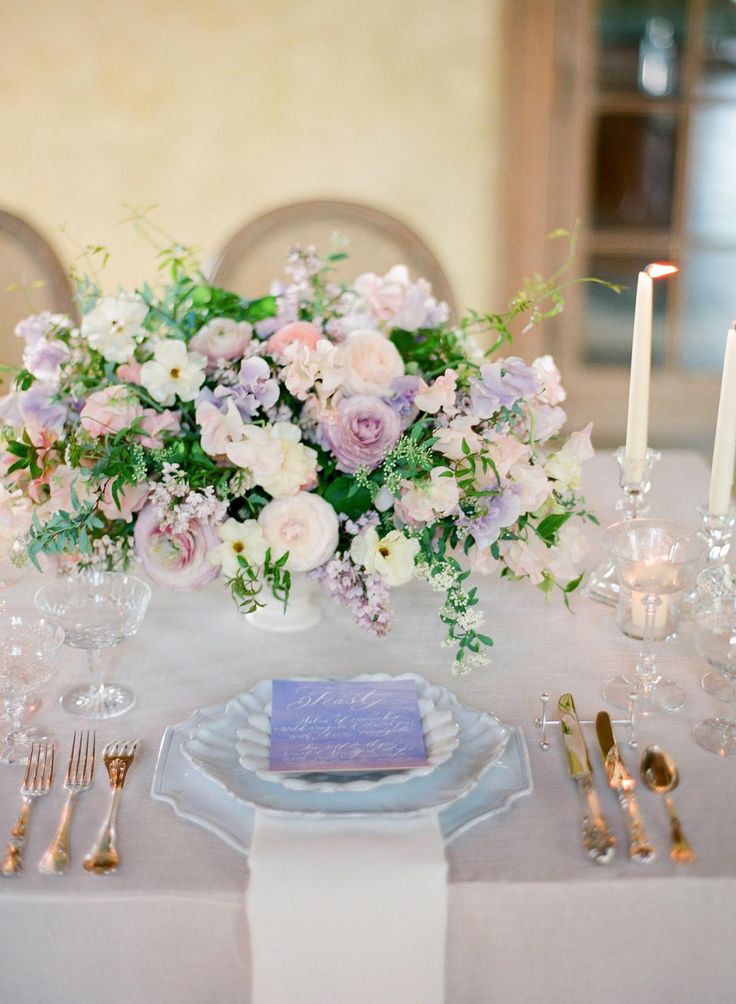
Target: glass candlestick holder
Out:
[635,480]
[717,532]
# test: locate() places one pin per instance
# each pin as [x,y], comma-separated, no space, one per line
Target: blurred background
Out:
[454,135]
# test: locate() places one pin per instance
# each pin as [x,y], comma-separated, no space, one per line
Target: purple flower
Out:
[403,391]
[32,329]
[43,358]
[255,388]
[495,512]
[361,432]
[37,406]
[501,385]
[366,595]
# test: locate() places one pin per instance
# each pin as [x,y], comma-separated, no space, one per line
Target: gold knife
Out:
[640,849]
[598,841]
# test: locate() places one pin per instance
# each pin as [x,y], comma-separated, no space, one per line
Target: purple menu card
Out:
[331,725]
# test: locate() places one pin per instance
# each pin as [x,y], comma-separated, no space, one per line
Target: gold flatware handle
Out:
[640,849]
[103,857]
[13,863]
[680,850]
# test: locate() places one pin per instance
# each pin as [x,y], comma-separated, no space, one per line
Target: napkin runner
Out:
[347,911]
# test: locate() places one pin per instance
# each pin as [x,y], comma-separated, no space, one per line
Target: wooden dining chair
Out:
[256,253]
[32,279]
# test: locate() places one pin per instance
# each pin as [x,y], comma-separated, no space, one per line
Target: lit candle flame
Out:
[658,269]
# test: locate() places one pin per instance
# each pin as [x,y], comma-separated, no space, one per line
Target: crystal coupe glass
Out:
[30,649]
[96,610]
[655,560]
[714,620]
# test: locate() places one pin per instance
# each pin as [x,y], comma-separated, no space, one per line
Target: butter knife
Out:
[598,841]
[640,849]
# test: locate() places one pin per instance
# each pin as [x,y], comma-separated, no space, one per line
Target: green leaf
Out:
[573,585]
[345,498]
[550,526]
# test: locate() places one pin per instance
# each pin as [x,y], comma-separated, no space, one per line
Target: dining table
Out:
[530,917]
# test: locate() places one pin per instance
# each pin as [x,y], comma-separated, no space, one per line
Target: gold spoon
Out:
[660,775]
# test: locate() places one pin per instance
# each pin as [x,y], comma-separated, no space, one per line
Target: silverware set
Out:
[38,779]
[659,774]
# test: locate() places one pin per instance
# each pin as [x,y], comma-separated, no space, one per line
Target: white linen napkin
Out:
[347,911]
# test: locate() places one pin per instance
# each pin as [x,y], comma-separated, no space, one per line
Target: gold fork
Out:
[118,757]
[80,774]
[37,781]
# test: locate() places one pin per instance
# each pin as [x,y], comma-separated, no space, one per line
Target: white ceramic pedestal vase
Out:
[302,611]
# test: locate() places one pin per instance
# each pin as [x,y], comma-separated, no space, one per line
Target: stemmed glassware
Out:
[656,561]
[714,620]
[30,649]
[96,610]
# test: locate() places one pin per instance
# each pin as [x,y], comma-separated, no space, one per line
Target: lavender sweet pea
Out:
[501,385]
[501,510]
[255,388]
[38,406]
[403,391]
[361,432]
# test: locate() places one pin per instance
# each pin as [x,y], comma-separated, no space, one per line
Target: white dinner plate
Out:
[195,798]
[254,742]
[211,748]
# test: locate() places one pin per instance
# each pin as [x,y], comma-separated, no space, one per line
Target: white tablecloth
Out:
[530,918]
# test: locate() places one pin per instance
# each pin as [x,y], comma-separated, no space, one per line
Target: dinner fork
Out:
[80,774]
[37,781]
[118,756]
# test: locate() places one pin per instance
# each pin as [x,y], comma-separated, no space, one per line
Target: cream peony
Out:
[304,525]
[370,362]
[239,540]
[392,556]
[275,458]
[222,339]
[173,372]
[113,326]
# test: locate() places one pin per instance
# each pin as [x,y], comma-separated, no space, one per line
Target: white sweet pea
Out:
[239,540]
[440,396]
[113,326]
[173,372]
[275,458]
[553,393]
[565,466]
[450,438]
[425,501]
[308,367]
[392,556]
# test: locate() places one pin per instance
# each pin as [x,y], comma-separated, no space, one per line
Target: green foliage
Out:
[346,496]
[247,584]
[64,532]
[27,455]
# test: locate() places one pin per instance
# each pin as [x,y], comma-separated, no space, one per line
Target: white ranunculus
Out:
[392,556]
[173,372]
[370,363]
[304,525]
[275,458]
[239,540]
[113,326]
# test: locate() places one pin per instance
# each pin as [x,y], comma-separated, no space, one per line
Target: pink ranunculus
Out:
[155,423]
[129,372]
[297,331]
[131,499]
[175,560]
[109,410]
[360,432]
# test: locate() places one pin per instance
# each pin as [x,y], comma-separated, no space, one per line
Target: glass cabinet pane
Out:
[609,317]
[711,204]
[633,183]
[709,308]
[641,44]
[718,77]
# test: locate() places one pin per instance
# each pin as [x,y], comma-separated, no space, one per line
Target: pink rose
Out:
[154,423]
[131,498]
[110,410]
[175,560]
[298,331]
[360,432]
[222,339]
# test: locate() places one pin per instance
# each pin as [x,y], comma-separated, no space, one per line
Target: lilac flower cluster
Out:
[176,505]
[366,595]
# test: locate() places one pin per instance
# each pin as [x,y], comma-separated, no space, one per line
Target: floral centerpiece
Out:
[348,432]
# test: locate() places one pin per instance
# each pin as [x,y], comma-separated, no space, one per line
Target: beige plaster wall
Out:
[216,111]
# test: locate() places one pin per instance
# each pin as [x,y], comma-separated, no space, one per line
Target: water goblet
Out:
[30,649]
[714,623]
[656,561]
[96,610]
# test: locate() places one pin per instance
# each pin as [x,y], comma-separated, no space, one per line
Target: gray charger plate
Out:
[196,798]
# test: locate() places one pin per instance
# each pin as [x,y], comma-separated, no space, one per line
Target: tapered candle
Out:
[637,421]
[724,447]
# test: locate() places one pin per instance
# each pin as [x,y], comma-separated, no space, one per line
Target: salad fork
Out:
[37,781]
[80,774]
[117,756]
